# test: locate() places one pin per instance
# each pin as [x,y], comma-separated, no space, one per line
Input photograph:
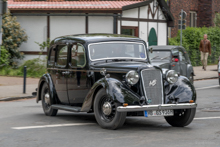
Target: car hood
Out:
[122,65]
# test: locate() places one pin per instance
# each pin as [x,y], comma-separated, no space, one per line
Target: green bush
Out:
[13,36]
[191,40]
[35,68]
[4,58]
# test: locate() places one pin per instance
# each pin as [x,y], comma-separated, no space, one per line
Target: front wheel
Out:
[181,118]
[106,112]
[46,101]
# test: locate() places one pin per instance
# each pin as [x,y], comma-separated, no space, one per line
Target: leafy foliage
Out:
[43,45]
[191,40]
[217,20]
[4,58]
[13,36]
[35,68]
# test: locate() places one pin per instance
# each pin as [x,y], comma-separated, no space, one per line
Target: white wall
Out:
[161,15]
[162,34]
[130,23]
[143,31]
[66,25]
[100,24]
[36,29]
[132,13]
[144,12]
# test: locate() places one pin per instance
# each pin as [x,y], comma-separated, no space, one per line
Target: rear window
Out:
[160,55]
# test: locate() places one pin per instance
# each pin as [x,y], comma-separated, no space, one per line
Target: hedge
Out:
[191,40]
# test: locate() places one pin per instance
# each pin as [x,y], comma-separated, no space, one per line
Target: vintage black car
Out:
[111,75]
[173,58]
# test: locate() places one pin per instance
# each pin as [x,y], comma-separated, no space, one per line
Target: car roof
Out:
[165,47]
[97,38]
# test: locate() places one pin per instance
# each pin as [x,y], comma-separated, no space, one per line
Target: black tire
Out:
[219,80]
[191,78]
[114,119]
[181,118]
[46,102]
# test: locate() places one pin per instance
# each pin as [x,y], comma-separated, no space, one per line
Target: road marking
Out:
[51,126]
[208,118]
[207,87]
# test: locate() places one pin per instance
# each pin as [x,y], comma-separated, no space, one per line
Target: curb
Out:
[206,78]
[16,98]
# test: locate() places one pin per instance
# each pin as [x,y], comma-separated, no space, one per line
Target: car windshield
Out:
[160,55]
[117,50]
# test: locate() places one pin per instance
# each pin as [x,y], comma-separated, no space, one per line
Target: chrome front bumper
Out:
[156,107]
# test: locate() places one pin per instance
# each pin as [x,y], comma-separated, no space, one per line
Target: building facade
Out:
[200,13]
[148,20]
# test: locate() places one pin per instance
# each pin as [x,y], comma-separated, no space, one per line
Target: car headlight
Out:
[132,77]
[172,76]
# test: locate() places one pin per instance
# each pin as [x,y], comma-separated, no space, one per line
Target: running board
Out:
[67,108]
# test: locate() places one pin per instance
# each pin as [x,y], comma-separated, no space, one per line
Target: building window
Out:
[193,19]
[127,30]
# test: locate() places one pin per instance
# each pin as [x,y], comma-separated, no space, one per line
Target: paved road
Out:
[23,124]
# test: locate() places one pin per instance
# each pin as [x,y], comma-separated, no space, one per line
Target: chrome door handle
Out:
[65,72]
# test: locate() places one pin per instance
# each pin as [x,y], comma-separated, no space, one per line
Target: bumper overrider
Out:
[133,108]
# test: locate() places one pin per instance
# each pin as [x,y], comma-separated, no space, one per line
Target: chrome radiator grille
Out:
[153,85]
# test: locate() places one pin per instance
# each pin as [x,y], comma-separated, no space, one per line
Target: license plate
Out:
[158,113]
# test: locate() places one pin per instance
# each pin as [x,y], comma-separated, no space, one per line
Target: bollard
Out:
[24,86]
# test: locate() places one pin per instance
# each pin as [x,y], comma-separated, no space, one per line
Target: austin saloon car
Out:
[111,76]
[173,58]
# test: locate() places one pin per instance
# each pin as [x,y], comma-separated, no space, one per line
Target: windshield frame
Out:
[146,56]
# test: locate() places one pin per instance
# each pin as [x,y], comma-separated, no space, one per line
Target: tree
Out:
[217,20]
[13,36]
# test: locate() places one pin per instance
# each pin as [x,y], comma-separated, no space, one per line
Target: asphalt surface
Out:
[23,124]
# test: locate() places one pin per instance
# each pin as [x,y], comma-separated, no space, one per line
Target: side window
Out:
[181,56]
[62,55]
[51,58]
[78,58]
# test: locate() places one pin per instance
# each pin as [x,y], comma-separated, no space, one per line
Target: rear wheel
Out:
[106,111]
[181,118]
[46,101]
[219,80]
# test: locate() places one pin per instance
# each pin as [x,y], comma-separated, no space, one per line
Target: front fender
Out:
[115,90]
[45,78]
[182,91]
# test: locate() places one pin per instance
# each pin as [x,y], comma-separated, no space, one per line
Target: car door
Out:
[77,82]
[61,72]
[183,63]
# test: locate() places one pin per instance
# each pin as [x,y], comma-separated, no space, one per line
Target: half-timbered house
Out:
[148,20]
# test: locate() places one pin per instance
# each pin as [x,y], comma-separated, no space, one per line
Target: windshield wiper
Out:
[154,57]
[165,57]
[122,59]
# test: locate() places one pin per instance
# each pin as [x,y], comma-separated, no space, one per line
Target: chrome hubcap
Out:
[47,98]
[107,108]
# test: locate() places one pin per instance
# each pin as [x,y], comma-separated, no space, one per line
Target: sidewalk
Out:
[211,72]
[13,86]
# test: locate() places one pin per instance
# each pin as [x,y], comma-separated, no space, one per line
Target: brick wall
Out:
[215,8]
[175,8]
[204,13]
[205,9]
